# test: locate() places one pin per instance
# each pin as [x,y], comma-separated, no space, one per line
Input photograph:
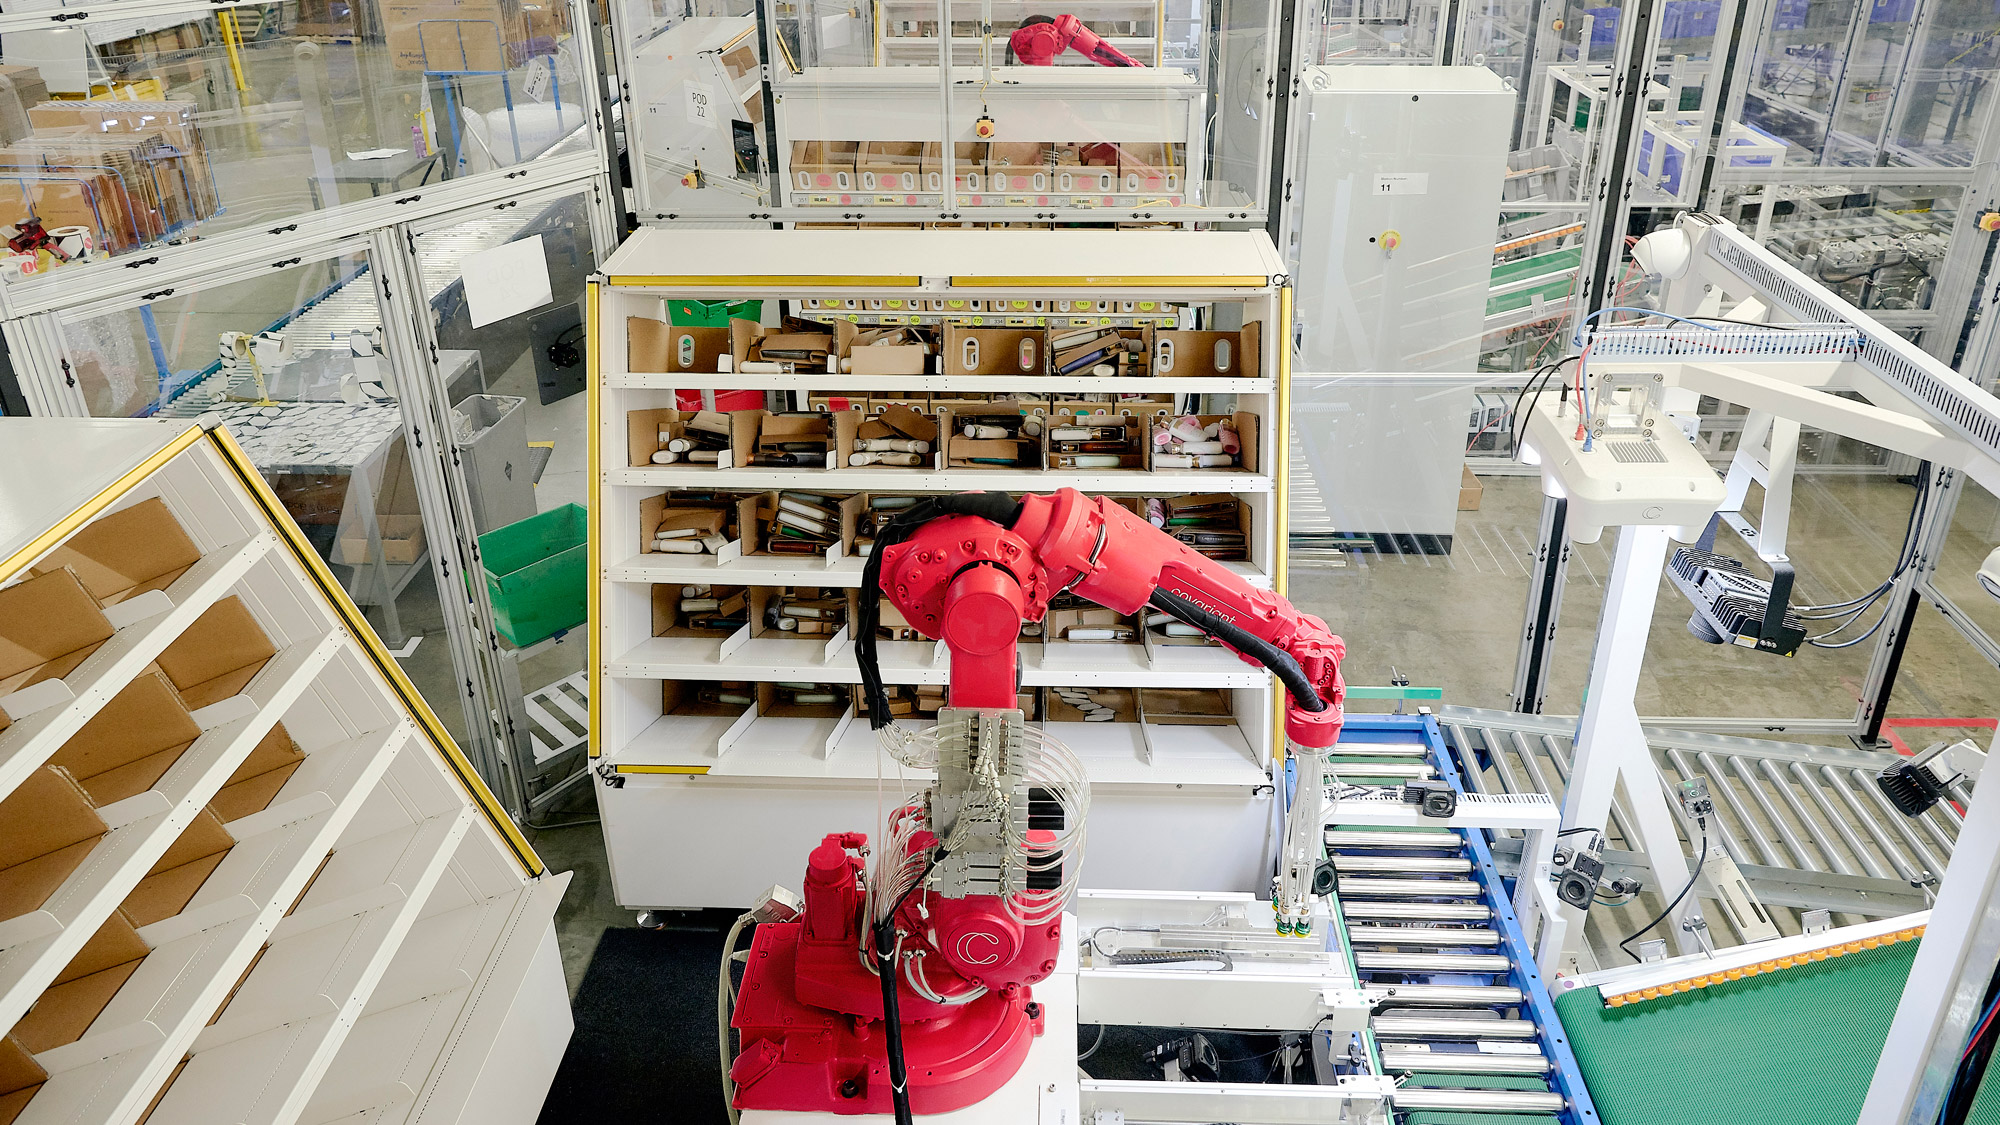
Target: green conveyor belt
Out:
[1796,1046]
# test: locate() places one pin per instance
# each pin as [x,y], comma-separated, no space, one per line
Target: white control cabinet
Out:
[1395,195]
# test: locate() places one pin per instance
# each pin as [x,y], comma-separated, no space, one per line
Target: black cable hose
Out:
[1244,641]
[892,1019]
[995,506]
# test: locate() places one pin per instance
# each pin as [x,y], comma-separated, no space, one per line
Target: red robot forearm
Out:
[1108,554]
[1038,44]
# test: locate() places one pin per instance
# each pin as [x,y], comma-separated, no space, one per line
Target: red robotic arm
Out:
[1038,43]
[972,581]
[822,1024]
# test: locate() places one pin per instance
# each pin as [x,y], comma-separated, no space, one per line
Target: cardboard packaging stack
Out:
[124,173]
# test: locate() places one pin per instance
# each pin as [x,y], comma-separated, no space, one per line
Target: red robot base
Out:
[809,1013]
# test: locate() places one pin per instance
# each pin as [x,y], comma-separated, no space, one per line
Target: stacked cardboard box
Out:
[463,36]
[131,173]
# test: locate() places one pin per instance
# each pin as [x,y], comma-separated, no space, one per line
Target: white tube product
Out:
[677,533]
[705,456]
[906,460]
[985,431]
[1082,633]
[762,367]
[665,457]
[695,591]
[1094,461]
[700,605]
[1172,461]
[1213,460]
[892,445]
[678,546]
[1200,447]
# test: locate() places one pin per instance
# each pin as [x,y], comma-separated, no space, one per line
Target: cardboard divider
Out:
[131,742]
[839,515]
[256,782]
[891,165]
[218,655]
[1208,355]
[1151,166]
[994,351]
[782,701]
[1126,434]
[654,346]
[1081,351]
[825,165]
[1246,432]
[398,515]
[881,351]
[670,620]
[1076,614]
[961,452]
[172,882]
[1018,166]
[1215,524]
[1121,701]
[49,624]
[126,553]
[779,434]
[21,1078]
[690,697]
[1187,707]
[836,403]
[48,827]
[749,342]
[656,515]
[66,1008]
[894,422]
[835,601]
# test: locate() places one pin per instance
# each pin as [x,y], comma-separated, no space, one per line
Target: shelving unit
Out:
[906,30]
[249,878]
[672,783]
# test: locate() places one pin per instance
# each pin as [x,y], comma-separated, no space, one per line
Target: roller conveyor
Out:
[1451,1027]
[1416,771]
[1423,935]
[1451,841]
[1447,995]
[1433,962]
[1435,986]
[1400,1058]
[1402,864]
[1408,888]
[1486,1101]
[1415,911]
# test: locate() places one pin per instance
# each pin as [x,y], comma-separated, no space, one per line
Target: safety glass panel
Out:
[1422,565]
[120,135]
[291,361]
[1882,248]
[1845,537]
[1360,31]
[1966,571]
[513,373]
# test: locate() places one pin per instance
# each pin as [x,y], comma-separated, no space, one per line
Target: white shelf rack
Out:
[379,887]
[672,783]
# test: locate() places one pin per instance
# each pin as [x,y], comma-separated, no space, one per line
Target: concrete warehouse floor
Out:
[1446,621]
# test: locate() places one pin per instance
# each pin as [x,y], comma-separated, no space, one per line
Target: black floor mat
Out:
[644,1048]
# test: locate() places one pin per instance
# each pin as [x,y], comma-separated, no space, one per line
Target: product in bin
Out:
[803,523]
[700,442]
[880,510]
[808,617]
[1211,524]
[1186,443]
[706,609]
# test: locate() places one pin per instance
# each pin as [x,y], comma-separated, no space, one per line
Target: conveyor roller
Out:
[1408,888]
[1402,864]
[1423,935]
[1415,911]
[1399,1057]
[1356,838]
[1447,995]
[1416,771]
[1432,962]
[1451,1027]
[1490,1101]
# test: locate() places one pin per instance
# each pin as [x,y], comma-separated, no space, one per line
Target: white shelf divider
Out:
[125,854]
[28,743]
[309,988]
